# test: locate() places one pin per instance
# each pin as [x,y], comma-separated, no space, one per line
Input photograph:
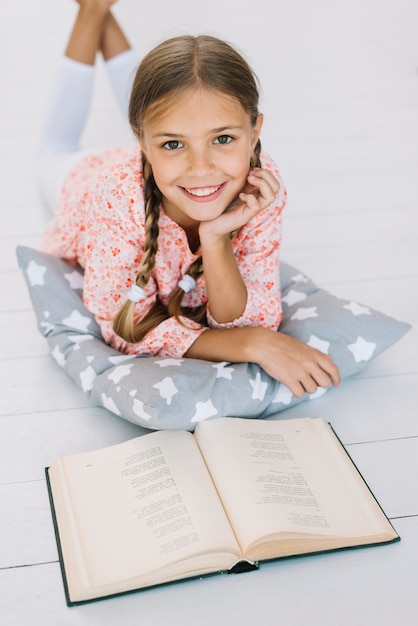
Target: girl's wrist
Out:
[237,345]
[208,237]
[259,342]
[252,344]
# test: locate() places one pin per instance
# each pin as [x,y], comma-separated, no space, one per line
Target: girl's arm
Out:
[286,359]
[226,290]
[225,284]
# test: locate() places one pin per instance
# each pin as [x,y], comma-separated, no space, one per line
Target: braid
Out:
[174,305]
[153,199]
[123,323]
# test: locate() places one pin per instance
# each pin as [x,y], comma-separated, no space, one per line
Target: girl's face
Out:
[199,149]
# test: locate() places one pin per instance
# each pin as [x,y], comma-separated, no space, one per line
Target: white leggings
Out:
[59,148]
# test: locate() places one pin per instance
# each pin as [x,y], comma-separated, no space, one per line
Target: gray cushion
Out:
[177,393]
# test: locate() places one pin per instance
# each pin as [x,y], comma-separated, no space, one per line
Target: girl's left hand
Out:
[259,192]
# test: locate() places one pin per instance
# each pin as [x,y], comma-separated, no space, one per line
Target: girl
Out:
[179,235]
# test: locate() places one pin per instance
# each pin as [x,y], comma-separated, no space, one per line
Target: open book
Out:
[171,504]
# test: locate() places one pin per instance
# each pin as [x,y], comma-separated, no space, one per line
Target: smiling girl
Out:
[179,234]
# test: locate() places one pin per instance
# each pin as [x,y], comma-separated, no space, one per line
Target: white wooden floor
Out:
[340,95]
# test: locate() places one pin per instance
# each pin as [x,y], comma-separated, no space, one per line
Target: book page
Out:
[137,507]
[286,476]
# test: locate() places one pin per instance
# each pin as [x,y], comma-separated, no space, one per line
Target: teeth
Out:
[204,191]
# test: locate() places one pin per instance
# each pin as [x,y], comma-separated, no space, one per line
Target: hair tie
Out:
[187,283]
[136,293]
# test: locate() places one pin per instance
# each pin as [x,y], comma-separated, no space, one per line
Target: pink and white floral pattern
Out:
[99,224]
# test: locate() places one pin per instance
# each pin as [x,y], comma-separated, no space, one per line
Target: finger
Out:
[265,175]
[255,199]
[321,377]
[252,202]
[296,388]
[324,372]
[321,372]
[309,384]
[265,188]
[252,205]
[330,368]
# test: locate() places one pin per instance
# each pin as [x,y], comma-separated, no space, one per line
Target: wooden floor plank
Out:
[37,384]
[366,409]
[43,437]
[357,262]
[313,230]
[390,469]
[12,282]
[19,336]
[26,525]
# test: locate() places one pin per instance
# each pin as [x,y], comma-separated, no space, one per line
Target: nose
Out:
[200,161]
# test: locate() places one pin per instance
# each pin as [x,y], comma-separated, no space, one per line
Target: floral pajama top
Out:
[99,224]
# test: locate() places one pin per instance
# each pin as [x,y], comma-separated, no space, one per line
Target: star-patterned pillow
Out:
[177,393]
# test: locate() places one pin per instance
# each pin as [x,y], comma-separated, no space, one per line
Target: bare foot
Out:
[87,32]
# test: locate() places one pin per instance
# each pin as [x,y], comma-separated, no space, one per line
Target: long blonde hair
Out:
[174,66]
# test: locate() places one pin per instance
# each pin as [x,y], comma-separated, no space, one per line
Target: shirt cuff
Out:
[268,314]
[170,339]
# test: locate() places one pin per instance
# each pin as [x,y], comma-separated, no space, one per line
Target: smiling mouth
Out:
[200,192]
[203,194]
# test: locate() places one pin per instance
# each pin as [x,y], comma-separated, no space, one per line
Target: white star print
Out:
[47,328]
[167,362]
[76,320]
[223,370]
[319,344]
[120,372]
[35,273]
[318,393]
[138,409]
[299,278]
[362,350]
[58,356]
[86,378]
[304,313]
[109,404]
[293,296]
[259,387]
[75,279]
[167,389]
[357,309]
[204,410]
[283,395]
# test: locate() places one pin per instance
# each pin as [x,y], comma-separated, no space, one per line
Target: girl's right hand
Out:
[292,362]
[259,192]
